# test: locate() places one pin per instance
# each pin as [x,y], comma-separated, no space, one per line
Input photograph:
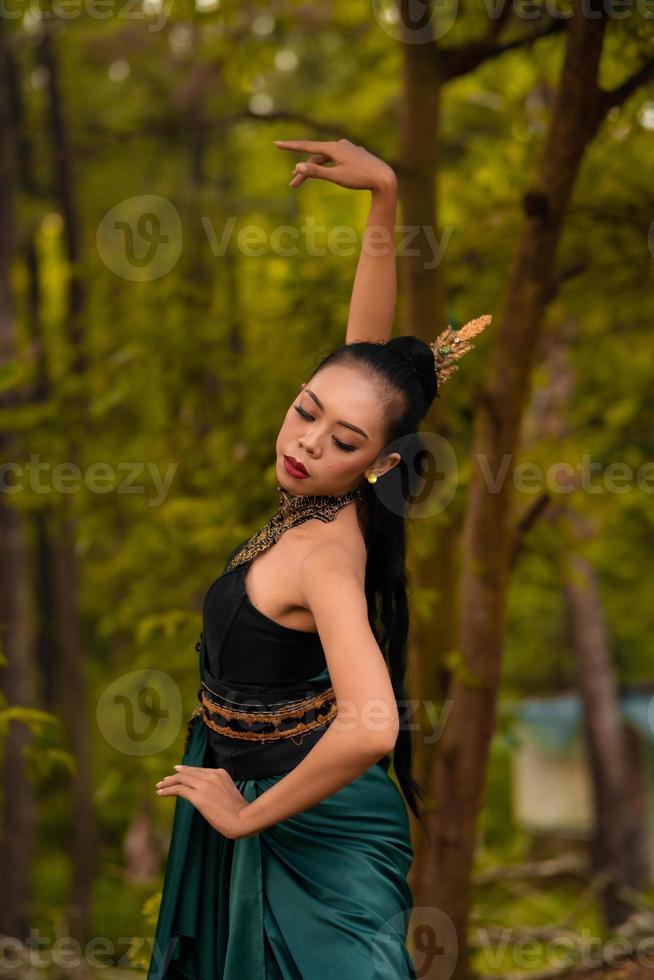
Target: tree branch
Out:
[454,62]
[525,524]
[620,94]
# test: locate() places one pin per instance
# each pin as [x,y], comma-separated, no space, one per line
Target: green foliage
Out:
[32,717]
[189,374]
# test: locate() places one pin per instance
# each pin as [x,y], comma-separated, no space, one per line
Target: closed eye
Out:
[310,418]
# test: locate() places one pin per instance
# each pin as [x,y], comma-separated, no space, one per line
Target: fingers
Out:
[174,791]
[189,793]
[299,176]
[196,775]
[321,150]
[310,169]
[179,780]
[308,146]
[206,772]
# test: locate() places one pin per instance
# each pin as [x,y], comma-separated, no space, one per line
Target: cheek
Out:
[345,465]
[289,426]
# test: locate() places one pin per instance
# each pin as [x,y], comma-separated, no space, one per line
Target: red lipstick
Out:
[295,467]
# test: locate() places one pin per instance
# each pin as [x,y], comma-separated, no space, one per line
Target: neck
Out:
[291,501]
[294,508]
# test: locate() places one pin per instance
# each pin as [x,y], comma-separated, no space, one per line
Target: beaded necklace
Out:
[294,509]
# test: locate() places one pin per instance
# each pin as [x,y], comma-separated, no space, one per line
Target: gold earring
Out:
[372,477]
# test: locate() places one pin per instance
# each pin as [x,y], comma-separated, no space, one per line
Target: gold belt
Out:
[293,718]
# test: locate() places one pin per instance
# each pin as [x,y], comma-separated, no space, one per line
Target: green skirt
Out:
[322,894]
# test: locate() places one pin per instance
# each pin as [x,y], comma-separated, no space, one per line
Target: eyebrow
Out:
[348,425]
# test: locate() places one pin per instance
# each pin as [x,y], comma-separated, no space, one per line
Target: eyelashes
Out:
[310,418]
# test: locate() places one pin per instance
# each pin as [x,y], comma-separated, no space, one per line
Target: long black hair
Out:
[404,369]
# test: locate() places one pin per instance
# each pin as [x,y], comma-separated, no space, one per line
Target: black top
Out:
[254,661]
[244,646]
[251,659]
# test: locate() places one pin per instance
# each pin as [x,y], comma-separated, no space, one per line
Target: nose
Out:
[311,450]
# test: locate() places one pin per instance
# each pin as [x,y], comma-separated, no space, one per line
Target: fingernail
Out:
[302,168]
[177,767]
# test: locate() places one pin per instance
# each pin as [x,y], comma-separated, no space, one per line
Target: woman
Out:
[290,846]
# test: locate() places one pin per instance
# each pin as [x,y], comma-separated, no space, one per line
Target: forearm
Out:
[336,760]
[374,292]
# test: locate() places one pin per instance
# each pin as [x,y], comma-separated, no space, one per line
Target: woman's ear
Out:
[394,458]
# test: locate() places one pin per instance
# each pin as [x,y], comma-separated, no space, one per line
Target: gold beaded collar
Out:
[294,509]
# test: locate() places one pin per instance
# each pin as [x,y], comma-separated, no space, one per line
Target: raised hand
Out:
[351,165]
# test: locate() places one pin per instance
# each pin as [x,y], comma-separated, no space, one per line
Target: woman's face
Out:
[333,428]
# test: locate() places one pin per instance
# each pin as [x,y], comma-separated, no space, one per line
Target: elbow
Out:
[381,743]
[388,744]
[373,731]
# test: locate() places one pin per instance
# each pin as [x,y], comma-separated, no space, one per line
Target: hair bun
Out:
[420,358]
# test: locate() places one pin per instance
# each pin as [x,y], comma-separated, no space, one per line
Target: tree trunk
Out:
[619,842]
[16,613]
[142,857]
[457,781]
[27,182]
[427,68]
[423,315]
[71,683]
[620,810]
[17,845]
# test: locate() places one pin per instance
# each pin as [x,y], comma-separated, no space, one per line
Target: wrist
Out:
[245,825]
[386,186]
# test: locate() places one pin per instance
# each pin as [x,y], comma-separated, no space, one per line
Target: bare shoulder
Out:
[336,544]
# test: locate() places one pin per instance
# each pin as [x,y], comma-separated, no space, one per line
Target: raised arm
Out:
[374,292]
[372,305]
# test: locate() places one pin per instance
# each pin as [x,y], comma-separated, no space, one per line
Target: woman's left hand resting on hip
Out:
[212,792]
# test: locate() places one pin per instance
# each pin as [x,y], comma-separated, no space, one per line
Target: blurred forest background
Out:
[149,346]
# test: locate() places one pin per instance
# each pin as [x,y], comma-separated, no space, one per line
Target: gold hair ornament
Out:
[450,345]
